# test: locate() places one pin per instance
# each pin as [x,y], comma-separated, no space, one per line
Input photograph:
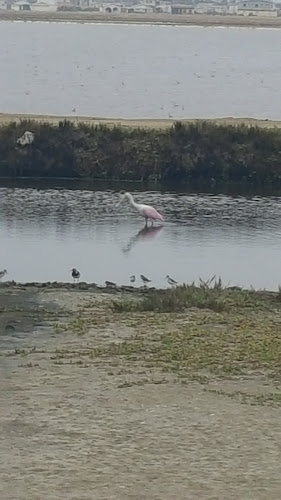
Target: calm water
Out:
[139,71]
[44,233]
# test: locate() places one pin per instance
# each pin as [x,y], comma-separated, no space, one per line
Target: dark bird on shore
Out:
[132,278]
[75,274]
[171,281]
[144,279]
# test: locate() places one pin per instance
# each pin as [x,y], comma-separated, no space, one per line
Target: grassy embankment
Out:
[200,153]
[206,333]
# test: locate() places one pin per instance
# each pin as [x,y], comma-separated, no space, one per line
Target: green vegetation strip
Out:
[199,153]
[218,329]
[191,331]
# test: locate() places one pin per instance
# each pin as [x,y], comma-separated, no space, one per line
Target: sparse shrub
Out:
[176,299]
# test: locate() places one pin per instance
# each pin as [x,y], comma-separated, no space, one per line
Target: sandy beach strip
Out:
[160,123]
[134,18]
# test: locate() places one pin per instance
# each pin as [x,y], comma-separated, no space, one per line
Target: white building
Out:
[211,8]
[21,5]
[164,8]
[257,8]
[111,8]
[43,7]
[141,9]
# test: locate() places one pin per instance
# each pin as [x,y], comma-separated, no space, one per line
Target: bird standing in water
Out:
[75,274]
[144,279]
[171,281]
[146,211]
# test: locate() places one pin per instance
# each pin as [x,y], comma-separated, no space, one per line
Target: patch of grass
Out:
[245,336]
[29,365]
[198,333]
[142,382]
[129,348]
[208,295]
[250,344]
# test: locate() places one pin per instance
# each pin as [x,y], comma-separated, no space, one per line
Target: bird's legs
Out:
[146,222]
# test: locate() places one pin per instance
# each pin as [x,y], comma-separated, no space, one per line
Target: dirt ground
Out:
[80,423]
[6,118]
[137,18]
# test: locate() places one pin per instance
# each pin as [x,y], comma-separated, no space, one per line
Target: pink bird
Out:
[145,211]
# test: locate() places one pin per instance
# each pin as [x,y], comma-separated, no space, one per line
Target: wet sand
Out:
[186,20]
[6,118]
[86,412]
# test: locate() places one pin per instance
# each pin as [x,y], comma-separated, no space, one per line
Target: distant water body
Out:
[139,71]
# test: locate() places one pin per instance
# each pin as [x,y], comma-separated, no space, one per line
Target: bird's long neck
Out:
[131,200]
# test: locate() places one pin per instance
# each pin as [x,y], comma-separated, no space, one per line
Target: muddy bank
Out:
[166,19]
[99,401]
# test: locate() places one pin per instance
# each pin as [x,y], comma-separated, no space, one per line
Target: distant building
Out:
[232,7]
[163,8]
[151,3]
[65,5]
[43,7]
[141,9]
[257,8]
[111,8]
[181,8]
[211,8]
[21,6]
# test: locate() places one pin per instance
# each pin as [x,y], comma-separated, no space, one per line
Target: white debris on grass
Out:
[26,139]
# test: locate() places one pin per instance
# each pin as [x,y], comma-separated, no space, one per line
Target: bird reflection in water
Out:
[146,233]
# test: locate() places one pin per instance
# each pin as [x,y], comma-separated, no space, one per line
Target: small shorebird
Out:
[132,278]
[144,279]
[171,281]
[2,273]
[110,284]
[75,274]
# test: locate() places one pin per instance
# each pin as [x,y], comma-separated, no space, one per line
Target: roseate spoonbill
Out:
[75,274]
[110,284]
[171,281]
[132,278]
[145,211]
[2,273]
[144,279]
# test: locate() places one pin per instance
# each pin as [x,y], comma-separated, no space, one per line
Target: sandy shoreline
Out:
[166,19]
[6,118]
[96,403]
